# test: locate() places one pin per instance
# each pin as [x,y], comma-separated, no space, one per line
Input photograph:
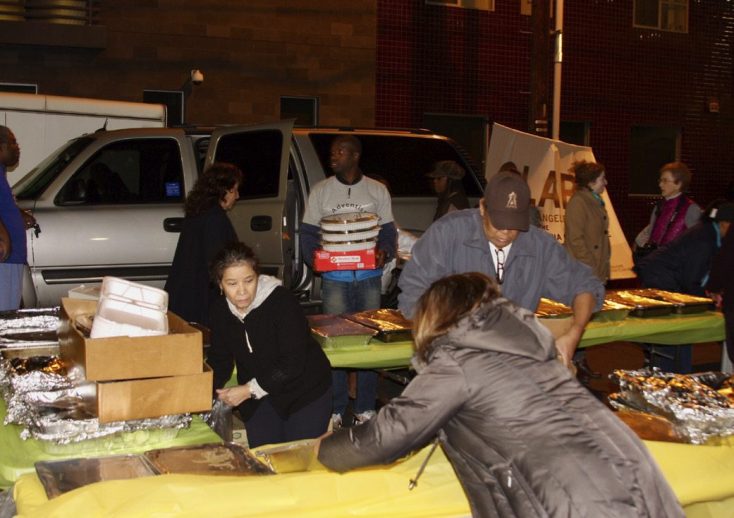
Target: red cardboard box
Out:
[324,261]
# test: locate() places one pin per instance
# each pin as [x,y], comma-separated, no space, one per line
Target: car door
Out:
[114,210]
[260,217]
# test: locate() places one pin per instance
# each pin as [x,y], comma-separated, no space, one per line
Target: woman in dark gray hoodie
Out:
[525,438]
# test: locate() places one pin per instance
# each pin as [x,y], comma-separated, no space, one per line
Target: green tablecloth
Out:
[668,330]
[18,456]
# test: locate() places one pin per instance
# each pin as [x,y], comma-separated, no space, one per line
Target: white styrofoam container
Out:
[120,318]
[134,293]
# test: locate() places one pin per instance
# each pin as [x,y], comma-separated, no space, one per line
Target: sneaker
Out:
[363,417]
[336,422]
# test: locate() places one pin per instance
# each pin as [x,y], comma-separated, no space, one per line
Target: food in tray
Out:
[58,477]
[207,459]
[290,458]
[47,364]
[349,221]
[698,412]
[330,326]
[382,319]
[611,311]
[548,308]
[684,303]
[640,306]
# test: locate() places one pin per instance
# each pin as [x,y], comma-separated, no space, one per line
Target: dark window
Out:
[304,109]
[49,169]
[174,101]
[470,131]
[650,148]
[19,88]
[402,161]
[575,132]
[257,153]
[130,171]
[666,15]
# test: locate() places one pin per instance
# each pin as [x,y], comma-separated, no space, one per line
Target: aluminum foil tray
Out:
[684,303]
[207,459]
[390,324]
[611,312]
[29,328]
[640,306]
[59,477]
[698,412]
[548,308]
[336,332]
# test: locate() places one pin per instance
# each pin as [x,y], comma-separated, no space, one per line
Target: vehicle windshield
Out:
[35,182]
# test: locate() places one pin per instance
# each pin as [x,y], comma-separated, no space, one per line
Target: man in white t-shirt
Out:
[349,190]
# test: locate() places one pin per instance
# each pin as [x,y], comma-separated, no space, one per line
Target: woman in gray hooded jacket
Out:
[525,438]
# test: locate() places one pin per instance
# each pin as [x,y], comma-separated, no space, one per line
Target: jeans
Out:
[351,297]
[11,285]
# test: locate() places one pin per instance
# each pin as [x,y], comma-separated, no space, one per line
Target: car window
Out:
[401,161]
[36,181]
[257,154]
[129,171]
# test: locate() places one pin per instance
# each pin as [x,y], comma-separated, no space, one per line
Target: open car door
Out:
[259,216]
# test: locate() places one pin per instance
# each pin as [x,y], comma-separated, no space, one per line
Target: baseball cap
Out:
[724,212]
[447,168]
[507,200]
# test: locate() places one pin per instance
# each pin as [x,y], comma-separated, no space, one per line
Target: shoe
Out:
[336,422]
[363,417]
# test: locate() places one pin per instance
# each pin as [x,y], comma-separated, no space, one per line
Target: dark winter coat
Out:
[189,289]
[525,438]
[587,232]
[683,264]
[282,355]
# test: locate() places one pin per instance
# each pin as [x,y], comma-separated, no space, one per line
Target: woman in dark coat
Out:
[284,378]
[524,437]
[206,229]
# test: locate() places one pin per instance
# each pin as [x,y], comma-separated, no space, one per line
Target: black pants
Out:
[729,323]
[266,426]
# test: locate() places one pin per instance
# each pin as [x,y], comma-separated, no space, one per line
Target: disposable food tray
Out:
[683,303]
[611,312]
[548,308]
[390,324]
[336,332]
[642,307]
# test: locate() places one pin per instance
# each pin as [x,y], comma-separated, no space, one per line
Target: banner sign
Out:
[545,164]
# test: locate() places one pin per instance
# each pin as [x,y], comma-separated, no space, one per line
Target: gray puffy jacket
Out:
[525,438]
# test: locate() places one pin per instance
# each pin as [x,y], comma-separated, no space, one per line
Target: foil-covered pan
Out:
[682,302]
[207,459]
[640,306]
[61,476]
[548,308]
[698,412]
[611,312]
[334,332]
[29,328]
[390,324]
[293,457]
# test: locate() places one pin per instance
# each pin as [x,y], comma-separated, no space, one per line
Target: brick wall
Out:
[439,59]
[250,52]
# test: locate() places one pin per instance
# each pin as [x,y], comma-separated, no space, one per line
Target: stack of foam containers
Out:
[128,308]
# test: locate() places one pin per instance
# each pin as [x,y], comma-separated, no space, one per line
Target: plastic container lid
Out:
[119,318]
[134,293]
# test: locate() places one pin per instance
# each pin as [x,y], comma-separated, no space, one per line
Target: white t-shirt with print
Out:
[331,196]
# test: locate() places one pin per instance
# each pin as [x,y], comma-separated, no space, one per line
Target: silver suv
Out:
[111,202]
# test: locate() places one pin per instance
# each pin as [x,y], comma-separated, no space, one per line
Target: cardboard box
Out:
[324,261]
[155,397]
[122,357]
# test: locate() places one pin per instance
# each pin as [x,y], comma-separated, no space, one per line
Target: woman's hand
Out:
[234,396]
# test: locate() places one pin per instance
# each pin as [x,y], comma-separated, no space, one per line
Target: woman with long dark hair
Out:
[206,229]
[524,437]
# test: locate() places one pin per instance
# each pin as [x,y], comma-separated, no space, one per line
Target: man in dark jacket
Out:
[721,282]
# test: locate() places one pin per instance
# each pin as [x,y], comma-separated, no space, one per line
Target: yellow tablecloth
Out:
[18,456]
[668,330]
[701,476]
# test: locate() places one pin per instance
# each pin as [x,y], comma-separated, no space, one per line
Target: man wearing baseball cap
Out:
[498,240]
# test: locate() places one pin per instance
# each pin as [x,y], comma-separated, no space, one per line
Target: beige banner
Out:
[545,164]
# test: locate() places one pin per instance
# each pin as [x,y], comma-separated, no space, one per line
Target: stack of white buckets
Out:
[129,309]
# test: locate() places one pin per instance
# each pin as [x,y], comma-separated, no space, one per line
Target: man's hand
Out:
[379,258]
[28,218]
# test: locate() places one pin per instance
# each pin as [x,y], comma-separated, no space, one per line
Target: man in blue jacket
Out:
[497,239]
[349,190]
[11,268]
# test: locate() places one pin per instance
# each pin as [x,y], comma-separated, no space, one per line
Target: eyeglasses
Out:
[500,265]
